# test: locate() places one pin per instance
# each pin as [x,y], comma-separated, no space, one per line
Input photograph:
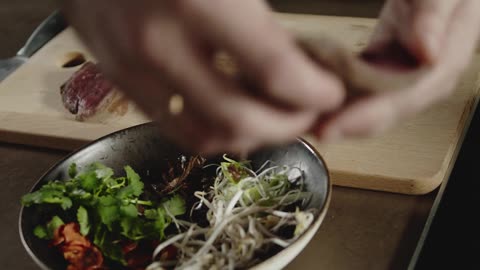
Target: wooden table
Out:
[363,229]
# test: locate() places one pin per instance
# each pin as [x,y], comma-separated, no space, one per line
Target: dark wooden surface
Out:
[363,229]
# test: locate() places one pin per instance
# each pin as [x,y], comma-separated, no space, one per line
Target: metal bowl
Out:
[147,152]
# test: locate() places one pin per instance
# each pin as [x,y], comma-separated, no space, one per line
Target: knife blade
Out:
[49,28]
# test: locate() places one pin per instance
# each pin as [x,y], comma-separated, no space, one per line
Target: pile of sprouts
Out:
[248,212]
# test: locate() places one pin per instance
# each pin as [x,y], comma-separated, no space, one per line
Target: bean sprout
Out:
[247,213]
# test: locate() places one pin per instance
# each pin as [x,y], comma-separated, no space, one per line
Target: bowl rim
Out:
[314,226]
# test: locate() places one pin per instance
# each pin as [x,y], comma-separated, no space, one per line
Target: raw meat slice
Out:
[88,94]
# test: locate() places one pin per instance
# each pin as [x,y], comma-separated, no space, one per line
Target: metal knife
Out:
[48,29]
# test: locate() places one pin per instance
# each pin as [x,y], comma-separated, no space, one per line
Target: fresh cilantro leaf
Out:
[151,213]
[137,229]
[55,222]
[130,223]
[41,232]
[56,185]
[157,222]
[113,201]
[38,196]
[49,190]
[104,173]
[125,192]
[47,232]
[89,181]
[108,210]
[80,194]
[134,181]
[52,225]
[66,203]
[104,241]
[175,205]
[72,170]
[134,187]
[83,221]
[129,211]
[71,185]
[107,200]
[47,194]
[126,224]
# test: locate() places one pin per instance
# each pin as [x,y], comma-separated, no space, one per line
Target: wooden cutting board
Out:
[413,158]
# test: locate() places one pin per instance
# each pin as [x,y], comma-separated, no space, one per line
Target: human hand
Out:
[432,35]
[154,50]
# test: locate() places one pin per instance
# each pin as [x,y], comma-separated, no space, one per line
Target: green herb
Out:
[72,170]
[40,232]
[106,207]
[175,206]
[82,217]
[135,186]
[48,231]
[51,193]
[53,225]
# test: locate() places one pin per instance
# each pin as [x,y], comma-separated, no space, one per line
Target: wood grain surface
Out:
[413,158]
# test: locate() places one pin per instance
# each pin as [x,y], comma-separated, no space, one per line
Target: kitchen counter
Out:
[362,230]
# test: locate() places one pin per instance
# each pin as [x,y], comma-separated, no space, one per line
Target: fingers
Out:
[128,64]
[154,97]
[364,118]
[152,52]
[240,121]
[374,114]
[430,22]
[269,56]
[420,25]
[463,32]
[393,13]
[460,40]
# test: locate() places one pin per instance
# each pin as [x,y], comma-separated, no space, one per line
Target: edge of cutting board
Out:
[418,186]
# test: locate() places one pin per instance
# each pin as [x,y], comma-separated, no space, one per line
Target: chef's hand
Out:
[154,50]
[438,34]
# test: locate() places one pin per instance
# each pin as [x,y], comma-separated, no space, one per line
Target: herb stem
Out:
[140,202]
